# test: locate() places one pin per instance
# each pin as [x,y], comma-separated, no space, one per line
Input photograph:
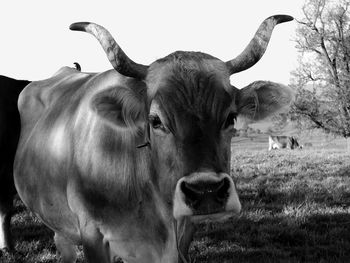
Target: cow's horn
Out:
[257,46]
[119,60]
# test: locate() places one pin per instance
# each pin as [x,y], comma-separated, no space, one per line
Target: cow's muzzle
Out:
[204,195]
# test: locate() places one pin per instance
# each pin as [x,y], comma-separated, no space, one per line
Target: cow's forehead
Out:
[187,66]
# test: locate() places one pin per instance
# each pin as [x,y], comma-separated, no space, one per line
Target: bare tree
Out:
[322,79]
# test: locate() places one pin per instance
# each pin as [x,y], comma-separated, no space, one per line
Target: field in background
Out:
[296,208]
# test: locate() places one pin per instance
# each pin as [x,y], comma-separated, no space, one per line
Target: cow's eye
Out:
[230,120]
[155,122]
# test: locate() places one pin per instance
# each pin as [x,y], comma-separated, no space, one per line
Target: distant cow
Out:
[124,161]
[9,134]
[280,142]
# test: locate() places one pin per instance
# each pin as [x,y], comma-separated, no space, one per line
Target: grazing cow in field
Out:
[125,161]
[280,142]
[9,134]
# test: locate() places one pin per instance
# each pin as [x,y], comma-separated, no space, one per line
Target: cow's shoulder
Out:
[68,79]
[40,96]
[68,89]
[45,91]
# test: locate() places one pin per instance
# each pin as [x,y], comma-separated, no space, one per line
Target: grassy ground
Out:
[296,208]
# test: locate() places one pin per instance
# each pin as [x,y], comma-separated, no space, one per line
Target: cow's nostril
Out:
[191,193]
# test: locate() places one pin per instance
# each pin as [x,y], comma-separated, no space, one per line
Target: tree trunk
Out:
[348,144]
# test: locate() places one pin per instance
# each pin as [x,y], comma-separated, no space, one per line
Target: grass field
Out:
[296,208]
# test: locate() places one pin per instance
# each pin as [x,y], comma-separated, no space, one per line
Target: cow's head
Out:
[191,110]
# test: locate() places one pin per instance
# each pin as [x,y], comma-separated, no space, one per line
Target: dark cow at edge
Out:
[9,135]
[281,142]
[124,161]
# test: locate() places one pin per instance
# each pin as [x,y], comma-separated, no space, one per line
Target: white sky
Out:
[36,40]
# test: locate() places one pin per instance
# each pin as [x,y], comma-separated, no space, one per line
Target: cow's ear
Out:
[121,106]
[263,98]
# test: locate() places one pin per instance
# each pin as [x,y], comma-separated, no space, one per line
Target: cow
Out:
[9,134]
[126,161]
[281,142]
